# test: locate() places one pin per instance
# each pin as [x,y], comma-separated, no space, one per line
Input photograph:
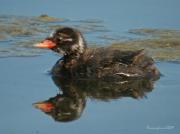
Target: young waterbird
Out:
[104,63]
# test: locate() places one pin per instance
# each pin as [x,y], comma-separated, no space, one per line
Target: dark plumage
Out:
[70,103]
[102,63]
[101,73]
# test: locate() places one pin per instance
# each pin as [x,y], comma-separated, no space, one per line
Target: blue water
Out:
[120,15]
[24,81]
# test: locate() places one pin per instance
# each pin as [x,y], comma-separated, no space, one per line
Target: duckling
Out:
[104,63]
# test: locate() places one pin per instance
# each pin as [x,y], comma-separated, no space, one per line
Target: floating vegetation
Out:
[15,30]
[46,18]
[161,44]
[2,37]
[163,33]
[53,27]
[19,33]
[92,21]
[91,26]
[19,52]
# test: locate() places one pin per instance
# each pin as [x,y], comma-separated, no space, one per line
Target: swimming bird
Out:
[105,63]
[69,104]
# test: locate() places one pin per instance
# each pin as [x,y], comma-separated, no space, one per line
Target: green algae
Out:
[19,33]
[53,27]
[163,33]
[2,37]
[41,26]
[162,44]
[15,30]
[19,52]
[46,18]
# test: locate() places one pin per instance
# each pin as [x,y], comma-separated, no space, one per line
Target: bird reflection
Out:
[69,104]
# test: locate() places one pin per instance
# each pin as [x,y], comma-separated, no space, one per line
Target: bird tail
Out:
[146,63]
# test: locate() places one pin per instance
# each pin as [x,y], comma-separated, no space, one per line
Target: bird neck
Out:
[77,50]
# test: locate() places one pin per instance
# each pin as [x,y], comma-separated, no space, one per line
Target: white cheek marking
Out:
[51,34]
[81,44]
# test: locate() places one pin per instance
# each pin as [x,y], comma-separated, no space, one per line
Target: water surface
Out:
[24,70]
[19,89]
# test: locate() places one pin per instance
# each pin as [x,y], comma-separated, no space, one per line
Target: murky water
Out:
[24,70]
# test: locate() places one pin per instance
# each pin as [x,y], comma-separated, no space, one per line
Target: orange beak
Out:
[44,106]
[45,44]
